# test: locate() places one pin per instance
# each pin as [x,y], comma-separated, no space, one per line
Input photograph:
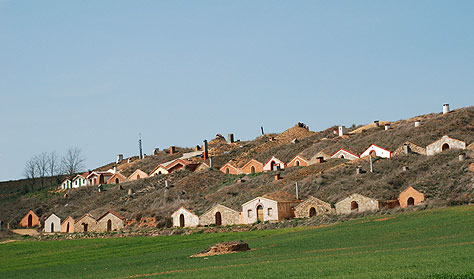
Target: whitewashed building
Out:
[376,151]
[274,164]
[184,218]
[66,184]
[344,154]
[273,207]
[79,181]
[52,224]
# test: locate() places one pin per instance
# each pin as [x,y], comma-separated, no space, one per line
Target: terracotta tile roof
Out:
[113,213]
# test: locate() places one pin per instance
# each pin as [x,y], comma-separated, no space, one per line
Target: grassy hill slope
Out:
[424,244]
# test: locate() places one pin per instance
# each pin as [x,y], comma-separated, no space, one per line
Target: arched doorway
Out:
[297,163]
[411,201]
[260,213]
[342,157]
[138,176]
[67,227]
[272,165]
[117,181]
[445,147]
[85,227]
[101,179]
[252,169]
[373,154]
[218,218]
[354,206]
[30,221]
[109,225]
[312,212]
[227,171]
[52,227]
[181,220]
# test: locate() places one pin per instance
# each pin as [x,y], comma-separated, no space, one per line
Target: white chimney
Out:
[445,108]
[342,130]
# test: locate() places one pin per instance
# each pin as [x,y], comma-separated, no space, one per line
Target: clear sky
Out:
[95,74]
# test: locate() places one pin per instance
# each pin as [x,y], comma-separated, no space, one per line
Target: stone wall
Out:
[303,209]
[363,203]
[86,219]
[228,216]
[116,223]
[416,149]
[410,192]
[437,146]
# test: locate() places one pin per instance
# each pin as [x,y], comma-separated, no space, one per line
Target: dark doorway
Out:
[30,221]
[312,212]
[411,201]
[373,154]
[445,147]
[354,206]
[52,227]
[297,163]
[260,213]
[181,221]
[342,157]
[218,218]
[252,169]
[117,181]
[138,176]
[227,171]
[272,165]
[85,226]
[101,179]
[109,225]
[67,227]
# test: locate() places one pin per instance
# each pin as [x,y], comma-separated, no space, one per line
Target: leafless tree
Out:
[53,164]
[30,172]
[72,161]
[41,162]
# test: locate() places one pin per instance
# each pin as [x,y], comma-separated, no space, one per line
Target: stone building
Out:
[202,166]
[137,174]
[444,143]
[180,164]
[252,166]
[410,197]
[228,168]
[86,223]
[272,207]
[297,161]
[356,203]
[52,224]
[344,154]
[312,207]
[409,147]
[30,220]
[110,221]
[319,157]
[116,178]
[67,226]
[274,164]
[376,151]
[184,218]
[219,215]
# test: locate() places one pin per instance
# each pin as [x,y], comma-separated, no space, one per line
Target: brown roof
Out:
[113,213]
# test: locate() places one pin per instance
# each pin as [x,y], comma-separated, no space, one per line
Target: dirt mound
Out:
[224,248]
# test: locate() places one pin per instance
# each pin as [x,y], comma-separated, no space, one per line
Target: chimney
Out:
[462,157]
[358,170]
[119,158]
[406,149]
[172,150]
[319,160]
[115,169]
[417,123]
[206,151]
[230,138]
[387,126]
[342,130]
[405,168]
[156,150]
[445,108]
[376,122]
[297,191]
[277,176]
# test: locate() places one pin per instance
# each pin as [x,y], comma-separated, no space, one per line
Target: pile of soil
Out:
[224,248]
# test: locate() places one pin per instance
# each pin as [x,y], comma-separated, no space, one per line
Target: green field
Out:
[424,244]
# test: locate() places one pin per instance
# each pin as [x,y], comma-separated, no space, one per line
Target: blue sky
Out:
[95,74]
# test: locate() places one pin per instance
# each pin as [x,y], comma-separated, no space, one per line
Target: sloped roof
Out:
[280,196]
[113,213]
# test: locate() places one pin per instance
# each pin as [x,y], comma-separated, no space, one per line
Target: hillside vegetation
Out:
[442,178]
[424,244]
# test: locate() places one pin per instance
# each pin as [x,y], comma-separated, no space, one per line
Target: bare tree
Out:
[73,161]
[30,172]
[41,162]
[53,164]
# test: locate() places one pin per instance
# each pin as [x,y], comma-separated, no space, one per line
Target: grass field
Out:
[424,244]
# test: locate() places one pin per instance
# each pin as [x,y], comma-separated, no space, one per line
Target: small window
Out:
[270,211]
[249,213]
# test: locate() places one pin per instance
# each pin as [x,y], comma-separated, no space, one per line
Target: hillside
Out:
[442,178]
[424,244]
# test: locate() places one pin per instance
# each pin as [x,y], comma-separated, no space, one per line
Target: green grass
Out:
[425,244]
